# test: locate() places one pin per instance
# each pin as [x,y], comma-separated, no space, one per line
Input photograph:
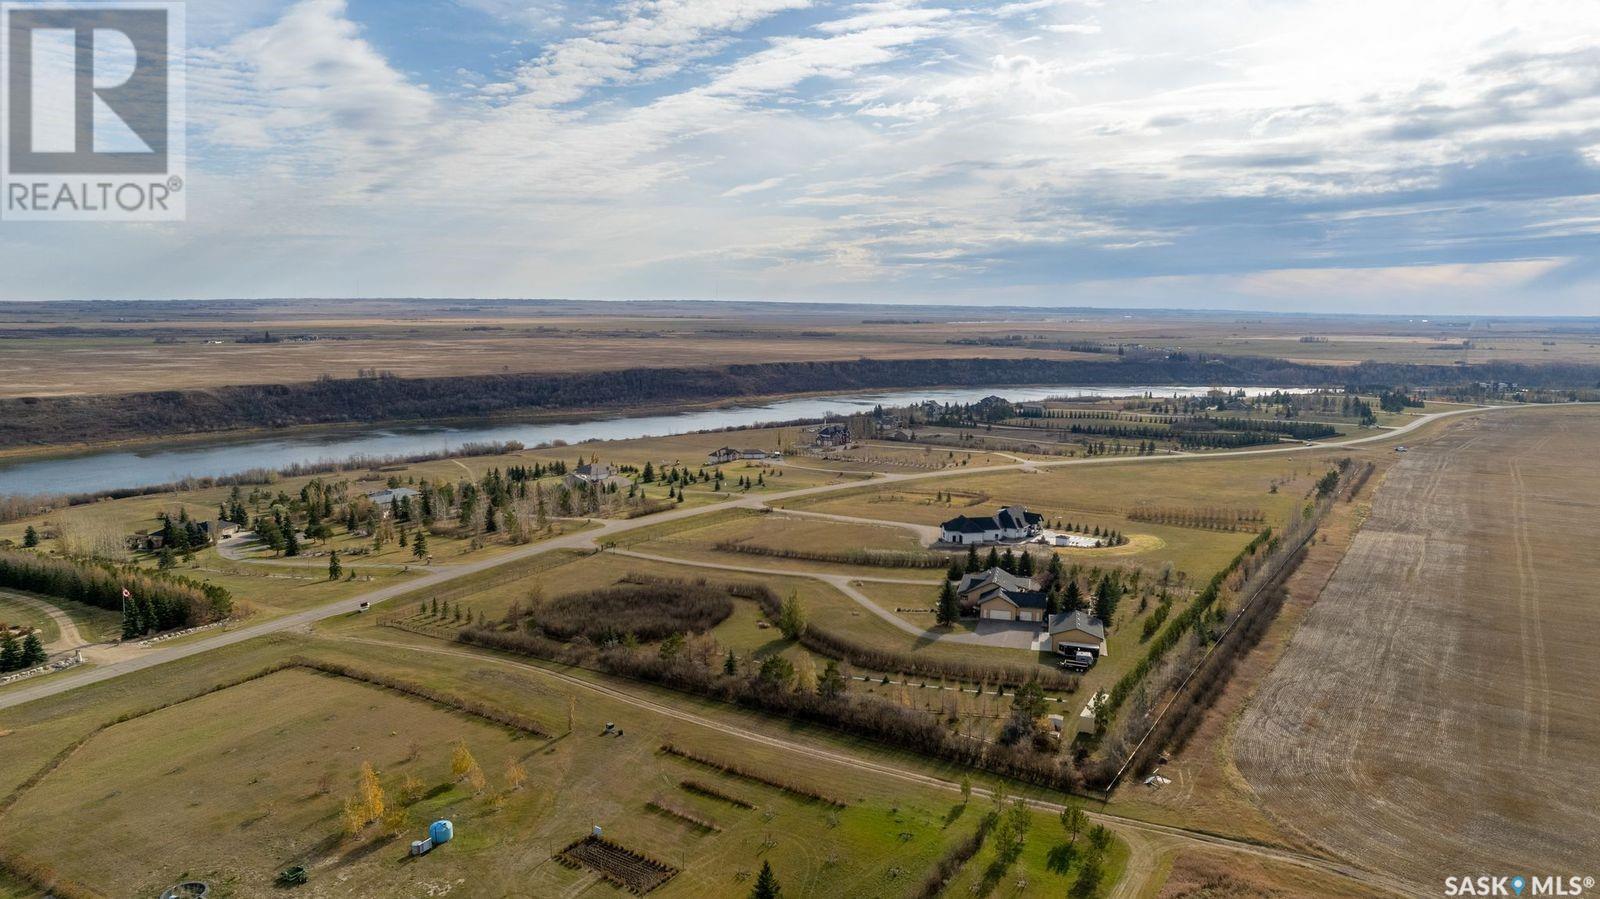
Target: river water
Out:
[113,469]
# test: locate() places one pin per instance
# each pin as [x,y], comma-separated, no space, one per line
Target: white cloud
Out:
[307,80]
[909,148]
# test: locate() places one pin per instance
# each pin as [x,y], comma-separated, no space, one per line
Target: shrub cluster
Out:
[952,861]
[695,786]
[663,807]
[472,707]
[733,770]
[648,611]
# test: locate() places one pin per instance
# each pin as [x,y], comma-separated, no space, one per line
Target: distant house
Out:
[145,543]
[594,474]
[1018,605]
[385,498]
[981,585]
[1010,523]
[220,530]
[833,435]
[1072,632]
[729,454]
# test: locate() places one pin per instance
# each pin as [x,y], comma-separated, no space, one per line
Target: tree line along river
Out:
[94,471]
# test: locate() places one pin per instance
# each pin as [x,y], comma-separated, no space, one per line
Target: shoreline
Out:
[10,456]
[472,431]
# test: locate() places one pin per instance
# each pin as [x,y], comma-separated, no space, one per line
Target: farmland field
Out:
[1445,673]
[84,348]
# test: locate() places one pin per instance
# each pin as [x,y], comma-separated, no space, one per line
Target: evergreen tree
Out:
[949,604]
[130,620]
[335,570]
[766,884]
[489,527]
[973,565]
[730,665]
[1073,601]
[1008,562]
[30,537]
[994,559]
[33,653]
[956,570]
[148,619]
[419,546]
[1025,564]
[291,542]
[10,653]
[1107,594]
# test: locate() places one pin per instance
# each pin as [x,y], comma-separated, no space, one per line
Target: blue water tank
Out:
[441,832]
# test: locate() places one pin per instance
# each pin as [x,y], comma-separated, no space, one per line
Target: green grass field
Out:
[229,788]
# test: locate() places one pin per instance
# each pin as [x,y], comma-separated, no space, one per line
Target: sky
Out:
[1294,155]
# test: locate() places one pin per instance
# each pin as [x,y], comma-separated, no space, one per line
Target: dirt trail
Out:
[1435,712]
[70,638]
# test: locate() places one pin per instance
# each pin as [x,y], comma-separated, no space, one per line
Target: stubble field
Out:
[1434,713]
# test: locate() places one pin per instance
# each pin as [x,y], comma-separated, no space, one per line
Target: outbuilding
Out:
[1072,632]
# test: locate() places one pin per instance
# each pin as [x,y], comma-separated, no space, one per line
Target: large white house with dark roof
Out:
[1009,524]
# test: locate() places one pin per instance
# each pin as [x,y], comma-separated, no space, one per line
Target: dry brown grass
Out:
[1203,874]
[51,366]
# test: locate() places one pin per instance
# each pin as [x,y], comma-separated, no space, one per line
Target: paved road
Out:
[57,684]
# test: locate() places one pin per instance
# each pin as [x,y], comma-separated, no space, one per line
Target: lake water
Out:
[96,471]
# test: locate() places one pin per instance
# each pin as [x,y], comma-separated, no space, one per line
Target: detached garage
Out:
[1072,632]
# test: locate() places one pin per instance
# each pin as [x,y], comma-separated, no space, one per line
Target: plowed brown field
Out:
[1437,713]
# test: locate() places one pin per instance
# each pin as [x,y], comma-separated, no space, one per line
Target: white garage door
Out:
[1000,615]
